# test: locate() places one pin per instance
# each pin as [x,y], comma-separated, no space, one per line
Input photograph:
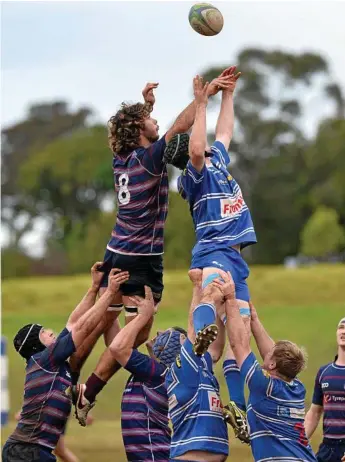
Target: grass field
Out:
[301,305]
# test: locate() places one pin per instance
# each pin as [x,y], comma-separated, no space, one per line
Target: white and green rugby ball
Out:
[206,19]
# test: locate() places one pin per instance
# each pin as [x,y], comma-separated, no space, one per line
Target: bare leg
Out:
[63,453]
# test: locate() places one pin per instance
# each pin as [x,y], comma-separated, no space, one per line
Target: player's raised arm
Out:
[225,123]
[198,137]
[85,325]
[90,297]
[238,335]
[262,338]
[122,345]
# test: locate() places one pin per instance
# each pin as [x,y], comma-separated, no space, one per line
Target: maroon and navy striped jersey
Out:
[144,411]
[329,392]
[46,406]
[141,184]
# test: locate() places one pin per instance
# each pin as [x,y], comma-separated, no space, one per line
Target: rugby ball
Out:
[206,19]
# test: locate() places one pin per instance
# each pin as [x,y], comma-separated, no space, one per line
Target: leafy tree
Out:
[322,234]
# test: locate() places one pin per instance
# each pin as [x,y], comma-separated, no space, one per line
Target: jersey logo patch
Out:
[214,401]
[229,207]
[293,413]
[178,361]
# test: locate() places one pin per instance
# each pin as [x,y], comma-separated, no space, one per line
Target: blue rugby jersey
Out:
[275,415]
[195,407]
[46,406]
[141,184]
[144,411]
[329,392]
[220,214]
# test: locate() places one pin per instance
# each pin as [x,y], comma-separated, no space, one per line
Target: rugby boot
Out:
[81,404]
[204,338]
[235,417]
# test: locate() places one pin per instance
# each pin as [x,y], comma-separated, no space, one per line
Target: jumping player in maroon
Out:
[136,243]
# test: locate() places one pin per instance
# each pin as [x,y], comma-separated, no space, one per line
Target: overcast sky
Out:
[101,53]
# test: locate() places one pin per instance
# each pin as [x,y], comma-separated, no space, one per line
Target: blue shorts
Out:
[227,259]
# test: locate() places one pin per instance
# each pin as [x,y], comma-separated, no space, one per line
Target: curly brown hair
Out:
[124,127]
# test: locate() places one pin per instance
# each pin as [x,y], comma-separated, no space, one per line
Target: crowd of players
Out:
[175,381]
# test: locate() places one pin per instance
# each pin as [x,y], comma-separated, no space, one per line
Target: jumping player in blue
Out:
[275,410]
[47,401]
[221,218]
[329,401]
[144,410]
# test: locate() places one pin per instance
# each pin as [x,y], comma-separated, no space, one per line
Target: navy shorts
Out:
[26,452]
[227,259]
[143,271]
[331,450]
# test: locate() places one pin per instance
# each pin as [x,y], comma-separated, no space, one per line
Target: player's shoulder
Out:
[324,368]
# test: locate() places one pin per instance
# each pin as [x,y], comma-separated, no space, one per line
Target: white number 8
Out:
[124,195]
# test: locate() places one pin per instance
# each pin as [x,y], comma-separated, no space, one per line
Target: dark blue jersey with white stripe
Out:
[329,392]
[220,214]
[141,184]
[275,415]
[46,406]
[144,411]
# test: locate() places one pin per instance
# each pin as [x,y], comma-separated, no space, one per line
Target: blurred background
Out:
[67,66]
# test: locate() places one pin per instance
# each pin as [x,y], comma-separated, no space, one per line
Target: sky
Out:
[102,53]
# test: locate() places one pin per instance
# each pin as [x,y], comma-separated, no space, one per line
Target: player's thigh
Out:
[143,271]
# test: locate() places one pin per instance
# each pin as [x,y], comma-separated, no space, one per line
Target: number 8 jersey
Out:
[141,184]
[220,214]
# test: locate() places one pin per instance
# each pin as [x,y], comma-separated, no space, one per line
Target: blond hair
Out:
[290,359]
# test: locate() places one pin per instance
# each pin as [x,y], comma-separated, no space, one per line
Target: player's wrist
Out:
[94,288]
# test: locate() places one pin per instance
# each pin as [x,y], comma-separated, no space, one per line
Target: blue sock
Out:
[235,383]
[203,315]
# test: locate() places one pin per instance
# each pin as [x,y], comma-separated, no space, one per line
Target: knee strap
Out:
[210,278]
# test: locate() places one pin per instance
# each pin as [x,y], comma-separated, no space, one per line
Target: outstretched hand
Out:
[200,90]
[147,93]
[146,306]
[232,77]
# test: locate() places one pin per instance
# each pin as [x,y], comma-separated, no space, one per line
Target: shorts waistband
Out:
[334,441]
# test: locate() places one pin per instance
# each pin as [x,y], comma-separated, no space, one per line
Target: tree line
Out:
[288,155]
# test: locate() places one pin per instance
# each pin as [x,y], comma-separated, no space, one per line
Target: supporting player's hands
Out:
[200,90]
[96,275]
[147,93]
[253,313]
[116,278]
[226,285]
[145,306]
[232,76]
[195,275]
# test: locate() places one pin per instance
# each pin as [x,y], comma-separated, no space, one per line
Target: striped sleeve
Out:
[187,365]
[190,182]
[220,153]
[145,368]
[256,379]
[56,354]
[318,395]
[151,158]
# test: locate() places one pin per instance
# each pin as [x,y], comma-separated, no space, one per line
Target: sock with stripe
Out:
[203,315]
[235,383]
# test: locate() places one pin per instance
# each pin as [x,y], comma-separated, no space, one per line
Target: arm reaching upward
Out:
[262,339]
[225,123]
[239,338]
[123,344]
[90,297]
[87,323]
[198,137]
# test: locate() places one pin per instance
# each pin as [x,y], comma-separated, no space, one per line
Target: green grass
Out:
[301,305]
